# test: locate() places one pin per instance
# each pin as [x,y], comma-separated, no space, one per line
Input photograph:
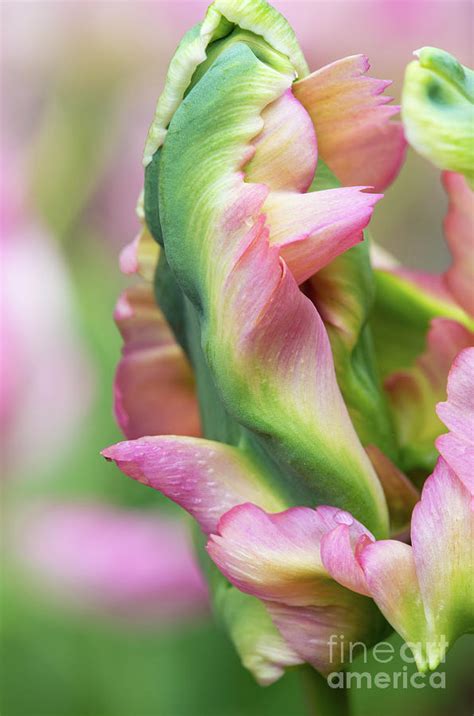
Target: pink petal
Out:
[276,557]
[355,136]
[154,385]
[140,256]
[128,257]
[427,591]
[460,457]
[277,350]
[459,231]
[273,557]
[285,150]
[390,573]
[206,478]
[339,550]
[457,413]
[442,535]
[310,230]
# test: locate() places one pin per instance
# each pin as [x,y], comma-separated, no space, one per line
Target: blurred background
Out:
[104,612]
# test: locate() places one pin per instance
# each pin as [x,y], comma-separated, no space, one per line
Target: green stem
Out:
[323,700]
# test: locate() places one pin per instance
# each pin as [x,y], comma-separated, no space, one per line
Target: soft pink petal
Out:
[273,343]
[457,413]
[154,385]
[140,256]
[310,230]
[427,591]
[355,136]
[339,550]
[273,557]
[276,557]
[390,573]
[442,535]
[460,457]
[206,478]
[285,150]
[459,232]
[128,257]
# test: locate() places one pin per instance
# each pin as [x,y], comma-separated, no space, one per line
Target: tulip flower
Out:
[259,182]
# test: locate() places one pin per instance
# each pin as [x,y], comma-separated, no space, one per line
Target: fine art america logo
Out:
[341,651]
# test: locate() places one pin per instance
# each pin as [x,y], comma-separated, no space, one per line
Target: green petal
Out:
[255,16]
[438,110]
[207,214]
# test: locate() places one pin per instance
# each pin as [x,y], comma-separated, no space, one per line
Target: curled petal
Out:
[257,16]
[459,232]
[206,478]
[356,138]
[276,557]
[285,150]
[154,386]
[339,550]
[273,557]
[263,340]
[310,230]
[457,413]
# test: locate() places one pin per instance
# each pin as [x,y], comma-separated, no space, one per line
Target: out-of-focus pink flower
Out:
[110,560]
[46,378]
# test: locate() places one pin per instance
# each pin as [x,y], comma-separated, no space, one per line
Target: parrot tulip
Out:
[259,183]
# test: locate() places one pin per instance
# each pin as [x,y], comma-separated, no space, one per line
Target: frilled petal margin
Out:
[356,138]
[154,385]
[457,413]
[310,230]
